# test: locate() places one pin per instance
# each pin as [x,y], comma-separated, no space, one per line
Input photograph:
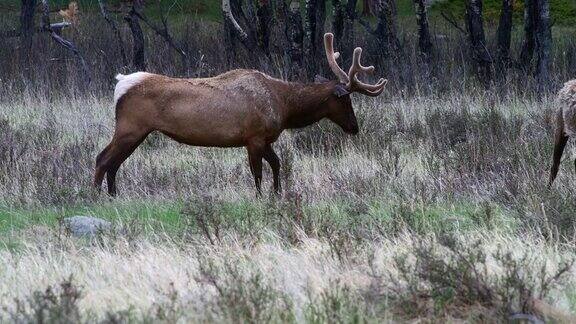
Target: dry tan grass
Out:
[119,274]
[467,166]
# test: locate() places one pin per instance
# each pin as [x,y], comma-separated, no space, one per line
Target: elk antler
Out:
[350,79]
[331,56]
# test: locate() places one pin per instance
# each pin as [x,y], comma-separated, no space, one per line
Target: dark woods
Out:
[71,49]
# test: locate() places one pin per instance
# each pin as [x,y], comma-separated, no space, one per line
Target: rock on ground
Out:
[86,225]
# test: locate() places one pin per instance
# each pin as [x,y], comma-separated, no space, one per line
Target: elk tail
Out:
[560,140]
[126,82]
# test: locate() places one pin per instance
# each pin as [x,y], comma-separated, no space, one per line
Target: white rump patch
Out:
[125,82]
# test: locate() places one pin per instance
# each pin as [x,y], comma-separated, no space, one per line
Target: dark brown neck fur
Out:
[305,103]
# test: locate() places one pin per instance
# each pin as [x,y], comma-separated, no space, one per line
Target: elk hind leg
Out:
[100,167]
[274,162]
[255,154]
[121,147]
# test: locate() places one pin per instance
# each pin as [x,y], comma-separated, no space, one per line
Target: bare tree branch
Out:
[227,9]
[46,26]
[112,23]
[366,24]
[163,32]
[56,27]
[453,22]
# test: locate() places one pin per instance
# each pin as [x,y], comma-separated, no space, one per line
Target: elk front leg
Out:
[272,159]
[255,154]
[560,140]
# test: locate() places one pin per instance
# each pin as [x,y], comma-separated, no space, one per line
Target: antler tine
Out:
[371,87]
[359,86]
[357,65]
[375,93]
[331,57]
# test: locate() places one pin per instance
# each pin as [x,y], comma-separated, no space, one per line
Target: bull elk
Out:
[238,108]
[565,125]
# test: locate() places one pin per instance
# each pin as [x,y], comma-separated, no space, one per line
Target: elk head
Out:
[340,110]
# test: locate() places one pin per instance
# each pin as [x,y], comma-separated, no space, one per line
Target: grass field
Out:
[368,227]
[437,210]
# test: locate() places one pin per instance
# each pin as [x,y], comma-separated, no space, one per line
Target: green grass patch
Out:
[441,218]
[154,215]
[255,217]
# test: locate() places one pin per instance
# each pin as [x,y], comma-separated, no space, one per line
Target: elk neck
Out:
[306,103]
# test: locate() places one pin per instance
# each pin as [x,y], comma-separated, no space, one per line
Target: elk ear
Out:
[320,79]
[340,90]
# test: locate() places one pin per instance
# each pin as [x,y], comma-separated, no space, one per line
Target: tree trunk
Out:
[313,34]
[343,28]
[46,26]
[347,41]
[264,22]
[295,34]
[338,13]
[115,30]
[480,54]
[368,7]
[424,39]
[529,43]
[26,31]
[543,45]
[230,32]
[232,9]
[138,61]
[503,36]
[386,30]
[252,29]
